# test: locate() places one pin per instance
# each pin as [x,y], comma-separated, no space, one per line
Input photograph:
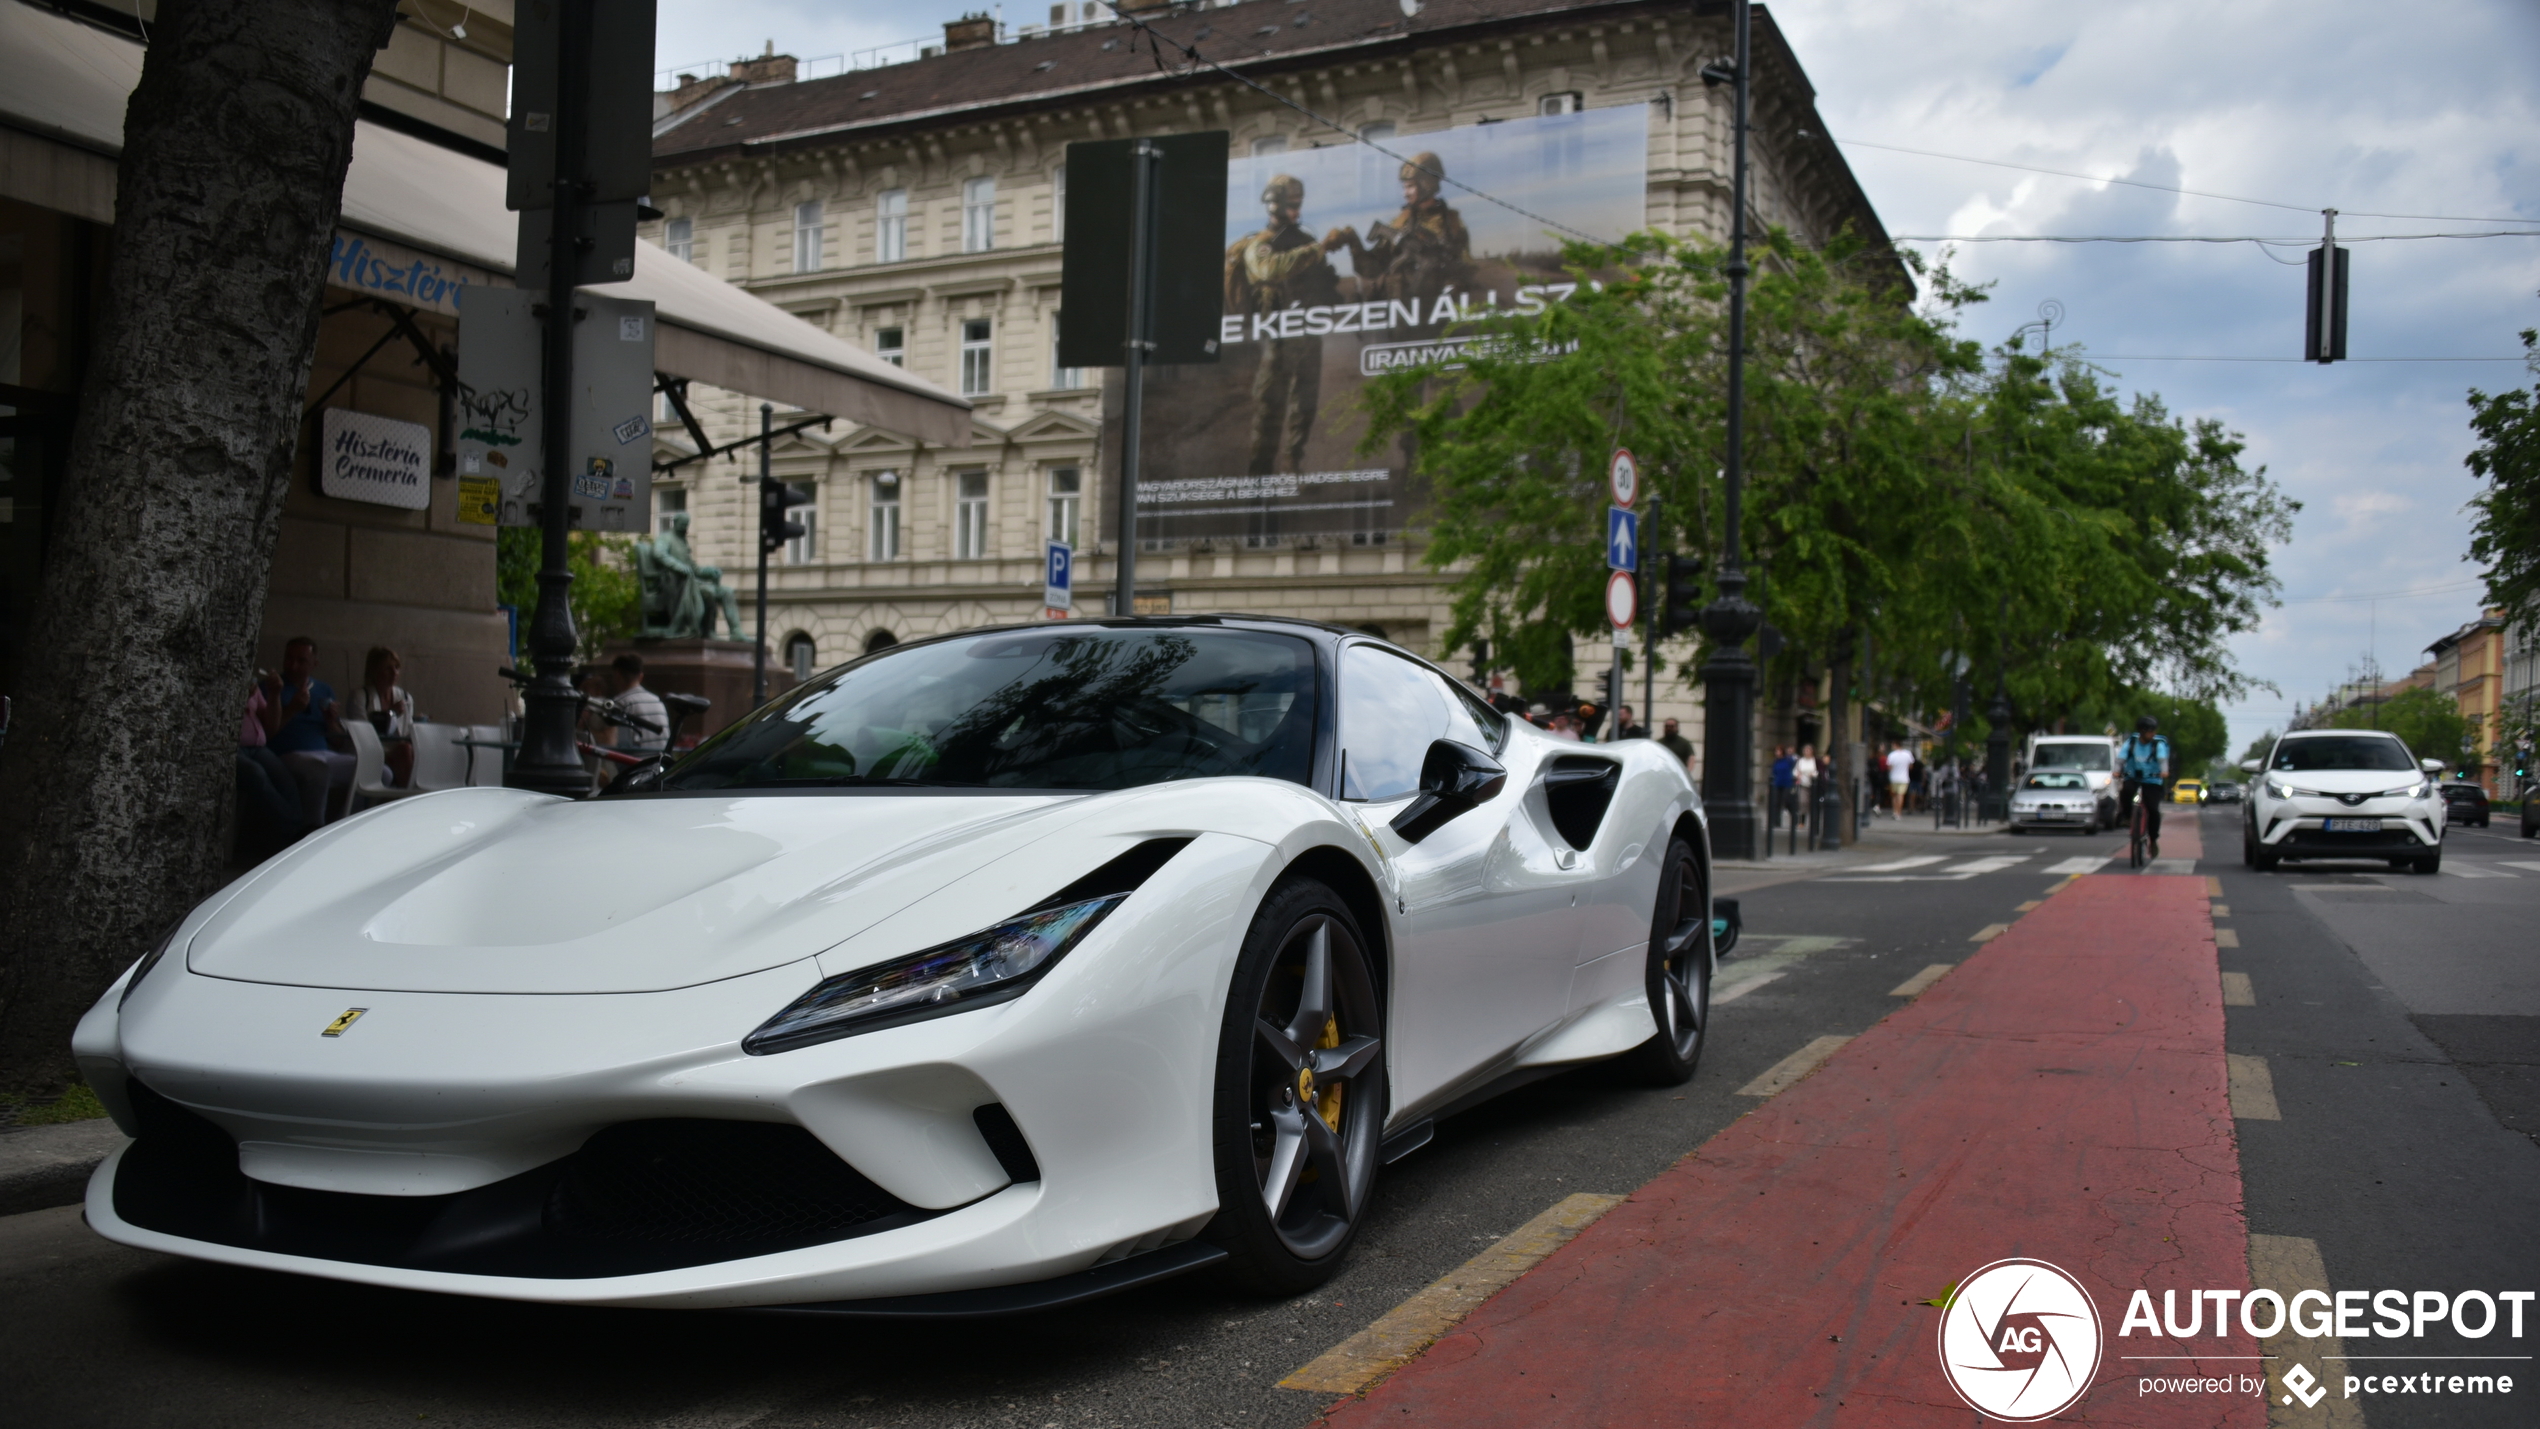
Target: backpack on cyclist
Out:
[2144,760]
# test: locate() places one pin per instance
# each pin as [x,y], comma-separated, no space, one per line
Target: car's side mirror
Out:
[1453,778]
[2431,766]
[2252,766]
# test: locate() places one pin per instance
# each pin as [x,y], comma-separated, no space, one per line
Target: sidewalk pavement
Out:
[45,1166]
[2061,1095]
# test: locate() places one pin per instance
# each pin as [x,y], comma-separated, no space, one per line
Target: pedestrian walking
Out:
[1785,779]
[1900,767]
[1676,743]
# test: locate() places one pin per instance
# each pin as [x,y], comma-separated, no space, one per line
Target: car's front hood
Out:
[497,890]
[2346,781]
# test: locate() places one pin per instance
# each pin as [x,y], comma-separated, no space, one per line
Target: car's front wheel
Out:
[1679,974]
[1300,1103]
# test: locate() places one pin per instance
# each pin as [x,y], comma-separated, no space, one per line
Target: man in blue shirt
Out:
[2143,763]
[301,726]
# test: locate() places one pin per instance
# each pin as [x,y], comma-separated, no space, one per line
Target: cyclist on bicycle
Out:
[2144,765]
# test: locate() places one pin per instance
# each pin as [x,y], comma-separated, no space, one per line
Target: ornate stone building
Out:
[917,209]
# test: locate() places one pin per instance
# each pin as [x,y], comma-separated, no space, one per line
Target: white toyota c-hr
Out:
[2344,794]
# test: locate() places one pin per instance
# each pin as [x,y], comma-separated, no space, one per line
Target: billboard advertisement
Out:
[1341,263]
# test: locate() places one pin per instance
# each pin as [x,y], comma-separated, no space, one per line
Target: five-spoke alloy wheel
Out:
[1679,977]
[1300,1097]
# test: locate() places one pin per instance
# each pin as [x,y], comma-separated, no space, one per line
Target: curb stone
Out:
[46,1166]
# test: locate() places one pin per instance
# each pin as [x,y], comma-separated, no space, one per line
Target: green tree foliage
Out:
[2196,730]
[2431,724]
[607,600]
[2505,522]
[2260,747]
[1907,494]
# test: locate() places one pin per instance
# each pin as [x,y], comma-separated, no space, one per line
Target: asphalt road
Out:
[2435,1009]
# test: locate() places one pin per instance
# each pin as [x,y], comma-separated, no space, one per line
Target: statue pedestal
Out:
[717,669]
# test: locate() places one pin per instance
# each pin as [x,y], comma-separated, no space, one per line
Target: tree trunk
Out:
[136,676]
[1839,770]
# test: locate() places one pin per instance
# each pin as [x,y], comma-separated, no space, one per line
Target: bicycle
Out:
[2139,833]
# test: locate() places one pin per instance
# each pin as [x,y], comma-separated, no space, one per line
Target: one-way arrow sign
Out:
[1622,539]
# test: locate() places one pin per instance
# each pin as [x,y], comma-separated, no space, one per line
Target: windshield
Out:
[2056,781]
[1055,708]
[2362,751]
[2091,755]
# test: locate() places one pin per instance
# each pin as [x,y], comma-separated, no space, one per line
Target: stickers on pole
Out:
[502,438]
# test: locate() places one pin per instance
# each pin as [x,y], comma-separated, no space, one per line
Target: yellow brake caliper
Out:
[1327,1098]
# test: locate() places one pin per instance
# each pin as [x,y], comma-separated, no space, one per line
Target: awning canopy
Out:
[420,221]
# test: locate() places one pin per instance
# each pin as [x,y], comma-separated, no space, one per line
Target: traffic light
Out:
[2324,315]
[1682,609]
[775,498]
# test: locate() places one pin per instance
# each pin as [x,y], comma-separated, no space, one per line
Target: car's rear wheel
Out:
[1679,974]
[1300,1099]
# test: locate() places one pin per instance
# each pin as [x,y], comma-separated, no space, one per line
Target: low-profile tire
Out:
[1297,1124]
[1678,977]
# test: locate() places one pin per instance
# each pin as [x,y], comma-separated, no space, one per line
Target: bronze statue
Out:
[680,597]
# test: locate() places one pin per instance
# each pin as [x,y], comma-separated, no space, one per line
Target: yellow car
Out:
[2188,791]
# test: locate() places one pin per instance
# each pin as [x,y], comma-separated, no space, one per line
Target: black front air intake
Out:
[639,1196]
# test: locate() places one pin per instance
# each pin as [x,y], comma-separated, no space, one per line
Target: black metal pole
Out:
[1728,722]
[766,497]
[1650,584]
[1142,165]
[548,761]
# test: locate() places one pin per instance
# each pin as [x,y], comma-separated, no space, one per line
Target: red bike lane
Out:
[2060,1096]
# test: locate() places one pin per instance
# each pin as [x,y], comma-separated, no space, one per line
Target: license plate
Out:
[2354,826]
[2046,814]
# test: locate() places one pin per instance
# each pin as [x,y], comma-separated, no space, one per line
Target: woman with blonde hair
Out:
[390,710]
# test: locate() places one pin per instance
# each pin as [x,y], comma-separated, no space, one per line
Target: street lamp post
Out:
[1728,677]
[549,760]
[1997,753]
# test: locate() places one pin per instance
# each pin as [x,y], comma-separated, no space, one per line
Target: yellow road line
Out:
[1913,986]
[2226,937]
[1989,932]
[1793,1067]
[2252,1088]
[2237,991]
[1412,1326]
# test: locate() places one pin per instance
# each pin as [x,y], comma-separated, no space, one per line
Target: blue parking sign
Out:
[1059,589]
[1622,539]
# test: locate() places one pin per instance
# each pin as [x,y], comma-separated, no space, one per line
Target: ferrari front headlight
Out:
[987,967]
[141,969]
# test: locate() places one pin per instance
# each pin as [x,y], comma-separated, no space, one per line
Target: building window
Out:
[1058,204]
[1269,144]
[679,236]
[1567,102]
[668,501]
[891,345]
[978,215]
[805,548]
[882,526]
[890,234]
[879,640]
[807,233]
[801,656]
[1062,377]
[970,515]
[974,357]
[1066,503]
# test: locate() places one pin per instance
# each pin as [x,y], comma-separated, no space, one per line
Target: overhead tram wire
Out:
[2310,242]
[1160,40]
[2170,188]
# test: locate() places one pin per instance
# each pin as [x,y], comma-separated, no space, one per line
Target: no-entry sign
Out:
[1622,599]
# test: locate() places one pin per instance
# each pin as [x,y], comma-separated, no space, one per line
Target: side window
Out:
[1391,712]
[1474,722]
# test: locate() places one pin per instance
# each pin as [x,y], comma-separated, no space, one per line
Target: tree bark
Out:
[140,650]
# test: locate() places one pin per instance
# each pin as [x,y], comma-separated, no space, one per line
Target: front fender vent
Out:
[1121,875]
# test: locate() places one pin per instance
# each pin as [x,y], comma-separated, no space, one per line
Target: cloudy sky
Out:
[2428,111]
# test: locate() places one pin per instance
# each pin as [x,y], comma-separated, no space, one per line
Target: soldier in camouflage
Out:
[1424,251]
[1282,266]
